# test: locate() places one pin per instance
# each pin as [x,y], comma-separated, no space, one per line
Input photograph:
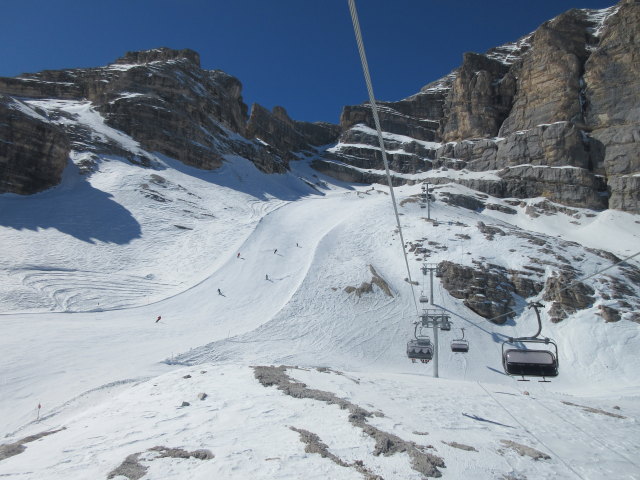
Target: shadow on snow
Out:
[75,208]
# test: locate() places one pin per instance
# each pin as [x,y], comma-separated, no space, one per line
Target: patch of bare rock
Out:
[133,469]
[385,443]
[10,449]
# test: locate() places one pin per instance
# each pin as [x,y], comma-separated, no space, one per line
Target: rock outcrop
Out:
[33,151]
[612,111]
[549,74]
[480,98]
[487,290]
[288,136]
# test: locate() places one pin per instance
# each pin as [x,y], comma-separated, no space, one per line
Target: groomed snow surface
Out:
[90,265]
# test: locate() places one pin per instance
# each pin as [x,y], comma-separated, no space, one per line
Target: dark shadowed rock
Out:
[288,136]
[33,151]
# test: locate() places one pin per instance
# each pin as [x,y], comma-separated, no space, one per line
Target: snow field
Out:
[83,287]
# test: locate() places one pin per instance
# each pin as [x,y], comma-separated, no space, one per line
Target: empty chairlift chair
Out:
[460,345]
[519,360]
[531,362]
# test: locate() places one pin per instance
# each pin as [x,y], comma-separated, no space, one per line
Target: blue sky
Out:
[300,54]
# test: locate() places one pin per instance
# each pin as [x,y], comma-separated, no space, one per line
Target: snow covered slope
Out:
[88,267]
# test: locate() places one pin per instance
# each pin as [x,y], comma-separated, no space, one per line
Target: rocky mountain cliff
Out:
[555,114]
[160,98]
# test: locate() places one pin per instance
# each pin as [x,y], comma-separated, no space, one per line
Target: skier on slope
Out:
[158,319]
[219,292]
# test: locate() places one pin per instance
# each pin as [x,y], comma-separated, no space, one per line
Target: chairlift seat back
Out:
[420,349]
[530,363]
[460,346]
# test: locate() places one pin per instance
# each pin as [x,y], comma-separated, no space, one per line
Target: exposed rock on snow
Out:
[313,444]
[460,446]
[386,443]
[595,410]
[367,287]
[525,450]
[133,468]
[567,297]
[488,289]
[10,449]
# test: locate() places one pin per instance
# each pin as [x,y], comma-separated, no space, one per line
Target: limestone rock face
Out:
[549,74]
[612,107]
[33,151]
[288,136]
[570,186]
[162,99]
[360,147]
[480,98]
[417,116]
[565,97]
[175,108]
[162,54]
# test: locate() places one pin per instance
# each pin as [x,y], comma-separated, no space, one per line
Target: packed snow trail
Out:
[85,350]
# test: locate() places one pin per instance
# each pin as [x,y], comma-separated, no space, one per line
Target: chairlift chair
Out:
[530,362]
[460,345]
[423,298]
[445,326]
[421,347]
[438,271]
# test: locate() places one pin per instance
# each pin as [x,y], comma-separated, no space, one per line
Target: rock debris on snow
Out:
[385,443]
[525,450]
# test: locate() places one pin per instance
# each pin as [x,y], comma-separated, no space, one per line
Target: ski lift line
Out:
[564,418]
[374,110]
[529,431]
[574,282]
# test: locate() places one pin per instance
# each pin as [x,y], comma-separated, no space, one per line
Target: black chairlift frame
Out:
[530,362]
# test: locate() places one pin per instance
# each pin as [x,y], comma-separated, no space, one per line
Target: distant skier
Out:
[238,256]
[266,277]
[158,319]
[275,251]
[297,245]
[219,292]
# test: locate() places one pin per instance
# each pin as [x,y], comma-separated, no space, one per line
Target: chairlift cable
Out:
[574,282]
[591,437]
[374,110]
[529,431]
